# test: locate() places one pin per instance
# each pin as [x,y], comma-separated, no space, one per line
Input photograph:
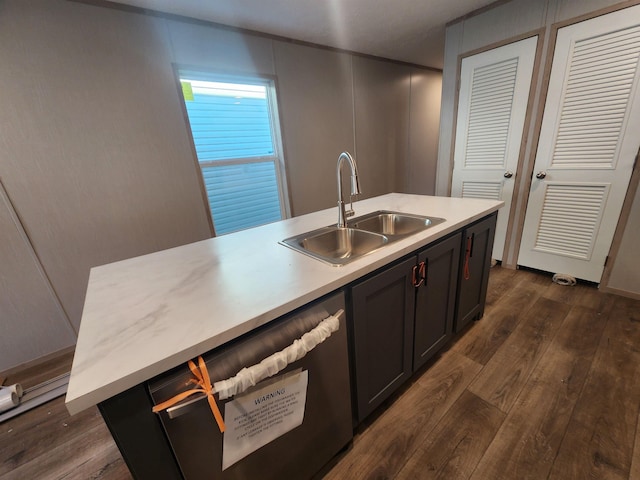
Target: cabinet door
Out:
[383,307]
[436,298]
[477,243]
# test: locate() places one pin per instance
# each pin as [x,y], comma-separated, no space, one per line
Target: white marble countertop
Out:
[148,314]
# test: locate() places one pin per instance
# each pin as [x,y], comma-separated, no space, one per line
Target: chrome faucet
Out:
[355,188]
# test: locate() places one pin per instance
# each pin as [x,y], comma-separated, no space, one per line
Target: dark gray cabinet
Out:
[475,261]
[438,268]
[401,317]
[382,330]
[404,314]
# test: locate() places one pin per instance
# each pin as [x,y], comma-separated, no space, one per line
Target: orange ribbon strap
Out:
[204,382]
[467,254]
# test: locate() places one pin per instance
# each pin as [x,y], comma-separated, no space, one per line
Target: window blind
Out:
[232,128]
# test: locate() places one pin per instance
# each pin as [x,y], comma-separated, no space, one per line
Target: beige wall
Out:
[420,172]
[316,111]
[502,24]
[381,109]
[21,272]
[96,158]
[92,152]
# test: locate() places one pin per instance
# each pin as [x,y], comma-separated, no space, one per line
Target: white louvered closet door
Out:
[492,105]
[588,142]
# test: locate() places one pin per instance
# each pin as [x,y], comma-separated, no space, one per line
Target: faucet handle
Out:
[351,212]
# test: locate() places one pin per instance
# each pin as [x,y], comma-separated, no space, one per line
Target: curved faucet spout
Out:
[355,187]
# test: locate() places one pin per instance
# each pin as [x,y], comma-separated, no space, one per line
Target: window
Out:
[234,124]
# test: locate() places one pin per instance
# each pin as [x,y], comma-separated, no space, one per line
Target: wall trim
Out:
[619,292]
[18,222]
[623,219]
[476,12]
[38,361]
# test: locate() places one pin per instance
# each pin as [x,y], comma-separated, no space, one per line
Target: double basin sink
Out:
[362,235]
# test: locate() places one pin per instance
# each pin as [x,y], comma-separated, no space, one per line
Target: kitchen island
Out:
[146,315]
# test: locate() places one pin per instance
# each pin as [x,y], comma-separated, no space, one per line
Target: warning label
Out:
[260,416]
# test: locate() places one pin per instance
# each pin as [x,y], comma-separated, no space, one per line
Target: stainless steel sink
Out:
[337,246]
[363,235]
[394,223]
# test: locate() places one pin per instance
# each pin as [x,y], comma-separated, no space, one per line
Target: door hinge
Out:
[606,260]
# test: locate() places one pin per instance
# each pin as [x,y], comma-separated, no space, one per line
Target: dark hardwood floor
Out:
[46,443]
[545,386]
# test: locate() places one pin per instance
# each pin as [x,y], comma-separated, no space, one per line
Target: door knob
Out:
[541,175]
[508,174]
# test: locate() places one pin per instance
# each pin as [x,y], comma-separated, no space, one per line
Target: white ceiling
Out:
[407,30]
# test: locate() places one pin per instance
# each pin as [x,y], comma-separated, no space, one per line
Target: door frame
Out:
[623,219]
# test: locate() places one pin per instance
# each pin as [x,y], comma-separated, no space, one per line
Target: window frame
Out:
[278,157]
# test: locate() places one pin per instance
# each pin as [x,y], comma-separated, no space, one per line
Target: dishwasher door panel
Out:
[300,453]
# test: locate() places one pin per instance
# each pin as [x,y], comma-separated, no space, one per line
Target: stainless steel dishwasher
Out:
[316,389]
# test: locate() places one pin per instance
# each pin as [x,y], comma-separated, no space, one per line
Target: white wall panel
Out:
[452,49]
[381,97]
[95,152]
[567,9]
[32,322]
[506,21]
[316,112]
[421,167]
[624,276]
[199,45]
[94,146]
